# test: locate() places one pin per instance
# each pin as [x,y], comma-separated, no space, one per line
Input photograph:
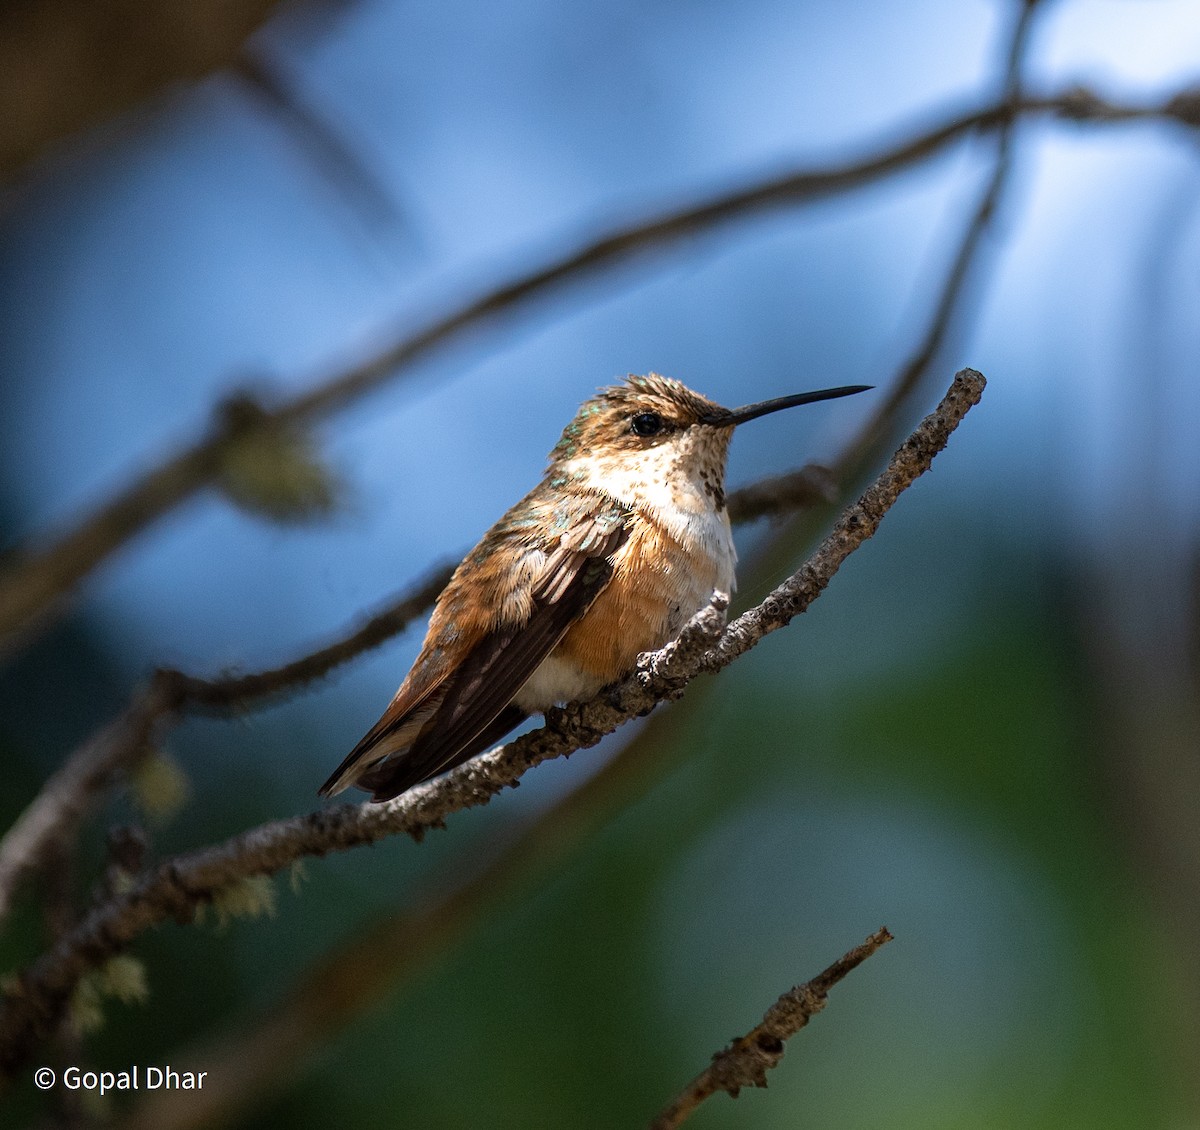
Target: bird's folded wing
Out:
[473,694]
[502,662]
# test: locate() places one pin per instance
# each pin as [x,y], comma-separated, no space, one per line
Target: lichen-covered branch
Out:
[178,887]
[55,813]
[258,1053]
[746,1061]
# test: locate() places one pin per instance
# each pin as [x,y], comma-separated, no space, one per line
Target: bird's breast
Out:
[659,581]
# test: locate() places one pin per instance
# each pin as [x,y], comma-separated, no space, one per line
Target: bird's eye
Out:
[646,424]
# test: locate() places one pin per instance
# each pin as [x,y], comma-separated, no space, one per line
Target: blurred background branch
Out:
[67,66]
[335,159]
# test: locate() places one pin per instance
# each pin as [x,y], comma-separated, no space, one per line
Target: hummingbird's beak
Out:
[728,418]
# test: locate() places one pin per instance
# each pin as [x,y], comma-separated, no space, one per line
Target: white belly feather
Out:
[680,500]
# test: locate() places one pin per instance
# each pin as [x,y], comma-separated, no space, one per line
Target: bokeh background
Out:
[984,735]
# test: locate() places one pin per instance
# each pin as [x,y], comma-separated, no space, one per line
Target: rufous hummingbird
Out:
[622,541]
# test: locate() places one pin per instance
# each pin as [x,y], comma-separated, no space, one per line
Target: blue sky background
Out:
[198,249]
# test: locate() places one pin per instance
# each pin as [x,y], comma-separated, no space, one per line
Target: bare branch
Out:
[176,888]
[237,690]
[747,1060]
[35,580]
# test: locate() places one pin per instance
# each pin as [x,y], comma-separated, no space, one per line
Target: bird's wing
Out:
[430,729]
[413,705]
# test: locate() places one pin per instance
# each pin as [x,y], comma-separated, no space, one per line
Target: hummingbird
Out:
[625,538]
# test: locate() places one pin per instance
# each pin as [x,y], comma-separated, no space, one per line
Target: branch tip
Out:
[747,1059]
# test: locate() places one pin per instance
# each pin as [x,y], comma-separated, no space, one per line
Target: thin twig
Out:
[856,524]
[747,1060]
[178,887]
[37,578]
[238,690]
[320,140]
[947,310]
